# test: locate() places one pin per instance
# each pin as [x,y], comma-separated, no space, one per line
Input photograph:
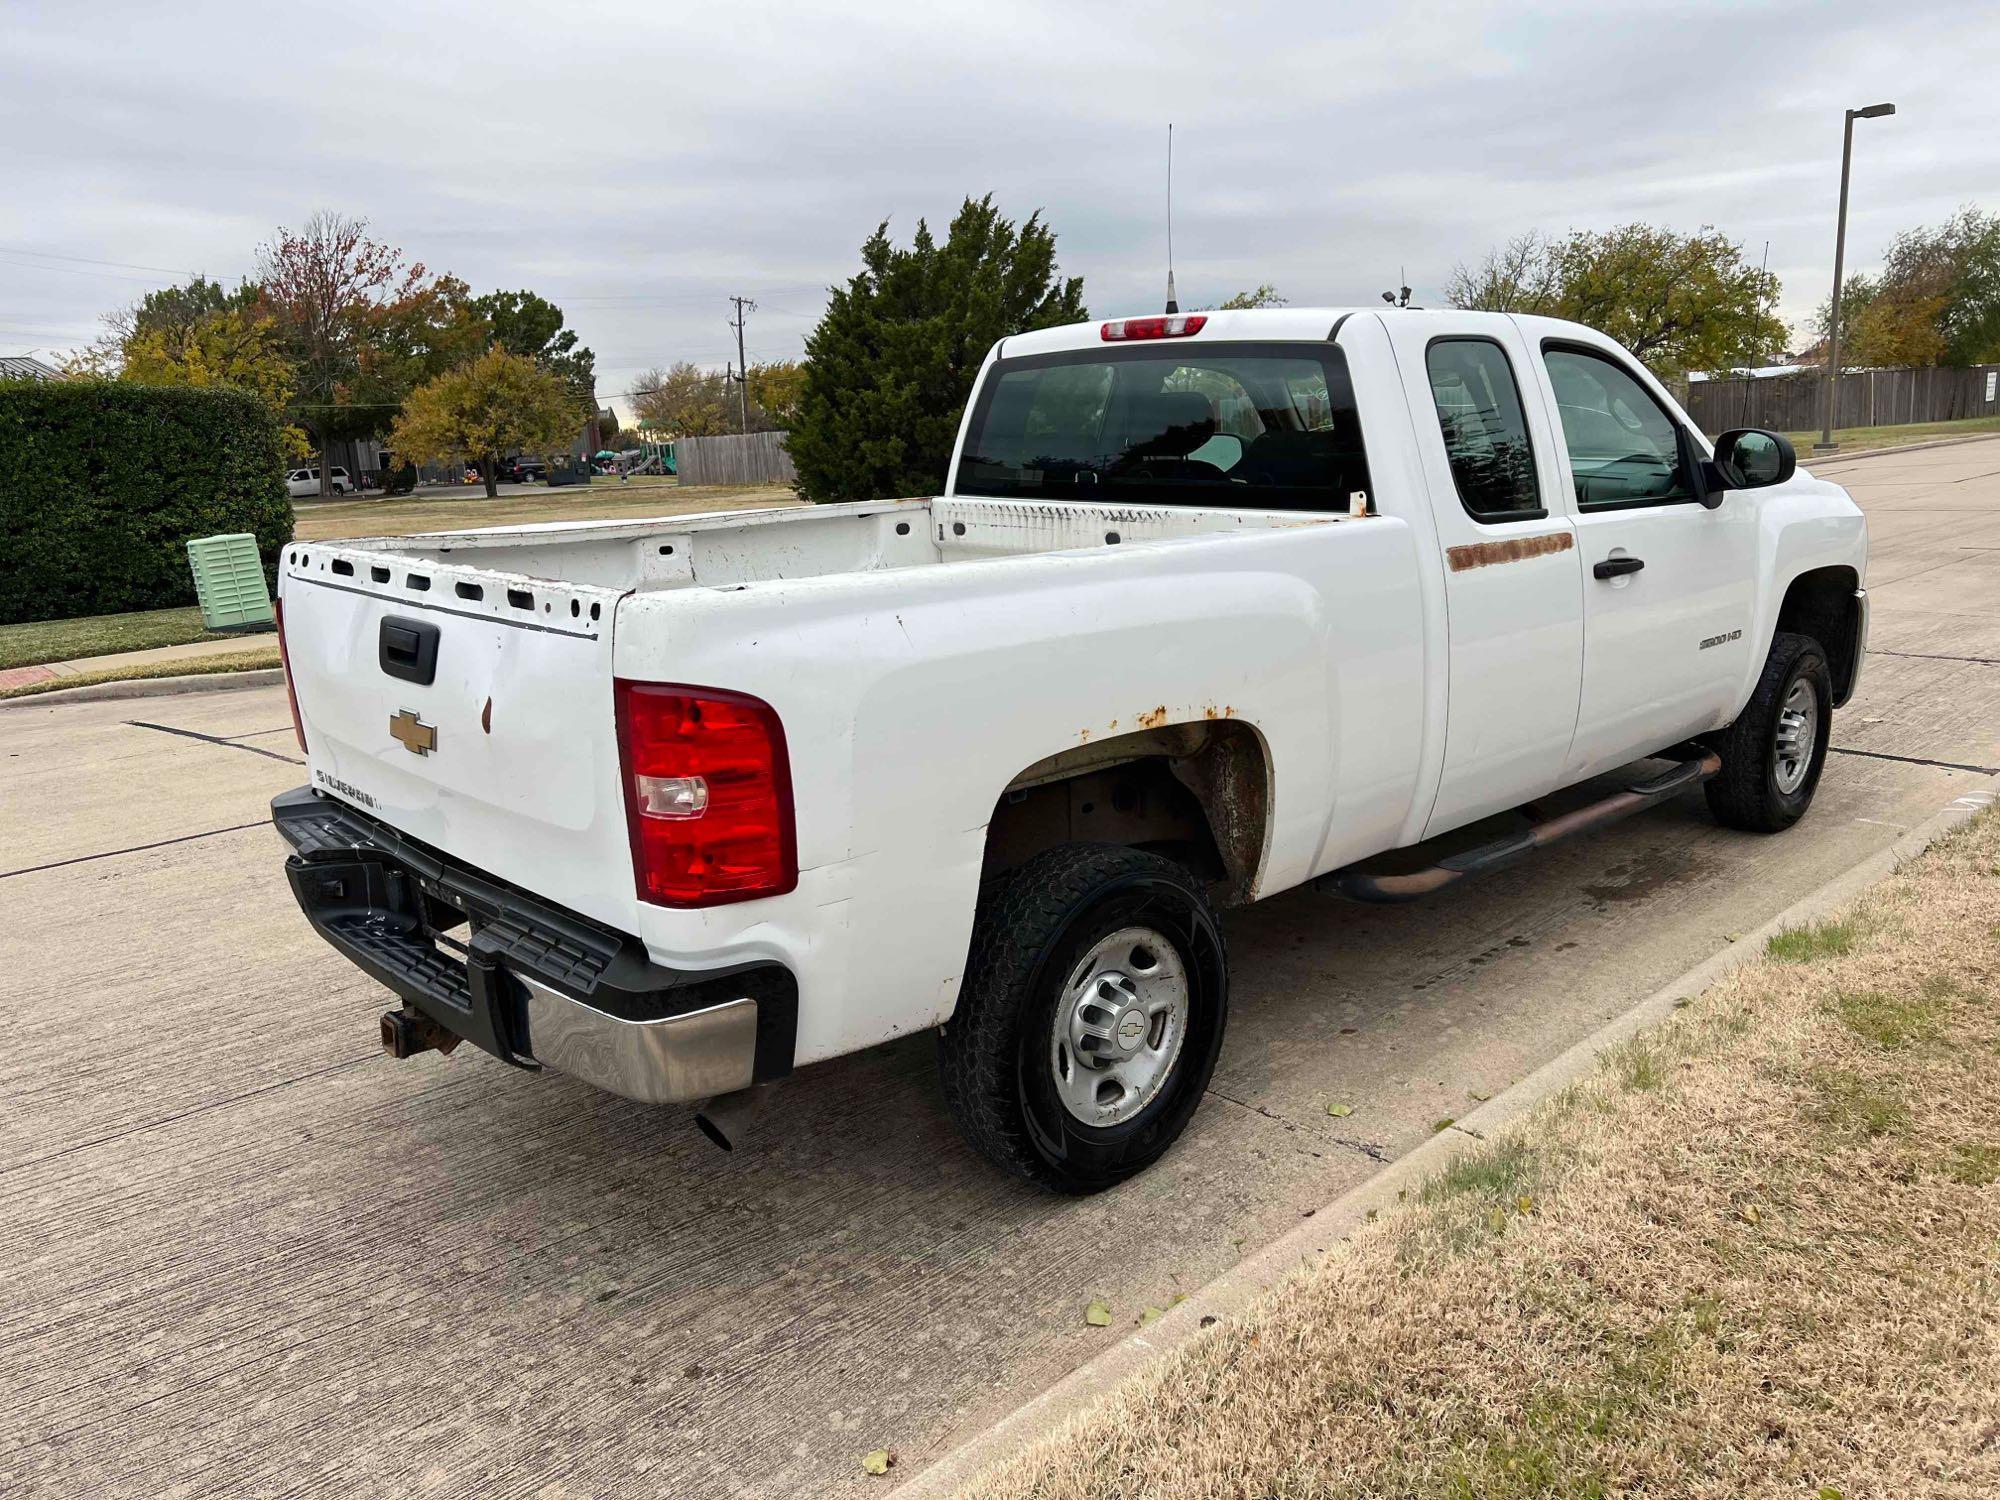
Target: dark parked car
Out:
[523,470]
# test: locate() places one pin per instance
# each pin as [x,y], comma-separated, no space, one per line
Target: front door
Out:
[1513,592]
[1667,582]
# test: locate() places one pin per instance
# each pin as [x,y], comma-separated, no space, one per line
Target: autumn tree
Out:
[1935,301]
[499,403]
[331,292]
[226,345]
[684,401]
[776,388]
[892,361]
[1680,302]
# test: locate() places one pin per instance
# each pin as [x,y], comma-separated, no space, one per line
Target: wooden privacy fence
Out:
[1868,398]
[752,458]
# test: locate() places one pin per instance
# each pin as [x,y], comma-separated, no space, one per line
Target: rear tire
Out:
[1091,1015]
[1772,754]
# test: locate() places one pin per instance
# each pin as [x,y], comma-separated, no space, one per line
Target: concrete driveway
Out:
[244,1254]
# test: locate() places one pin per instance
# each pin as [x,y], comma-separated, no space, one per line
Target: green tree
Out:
[1680,302]
[529,325]
[499,403]
[1266,295]
[891,363]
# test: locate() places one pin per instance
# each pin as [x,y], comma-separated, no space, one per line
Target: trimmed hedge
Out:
[103,483]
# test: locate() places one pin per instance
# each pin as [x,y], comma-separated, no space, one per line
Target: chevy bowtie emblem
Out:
[418,737]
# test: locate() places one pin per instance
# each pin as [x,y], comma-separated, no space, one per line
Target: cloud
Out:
[639,163]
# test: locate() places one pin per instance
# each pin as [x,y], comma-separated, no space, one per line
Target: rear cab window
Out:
[1485,430]
[1248,426]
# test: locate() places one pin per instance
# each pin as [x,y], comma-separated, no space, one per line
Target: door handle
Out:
[1616,567]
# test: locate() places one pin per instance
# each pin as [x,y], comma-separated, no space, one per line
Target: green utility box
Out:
[229,582]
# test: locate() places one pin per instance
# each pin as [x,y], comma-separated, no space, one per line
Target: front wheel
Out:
[1090,1018]
[1773,753]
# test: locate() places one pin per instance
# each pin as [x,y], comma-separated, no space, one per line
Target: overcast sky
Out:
[637,163]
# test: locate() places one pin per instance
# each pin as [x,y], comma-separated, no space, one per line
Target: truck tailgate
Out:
[468,709]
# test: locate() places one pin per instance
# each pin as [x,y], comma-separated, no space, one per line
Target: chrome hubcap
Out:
[1798,733]
[1119,1026]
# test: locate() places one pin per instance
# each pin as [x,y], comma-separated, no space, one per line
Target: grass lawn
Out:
[99,635]
[460,509]
[250,658]
[1757,1253]
[1860,439]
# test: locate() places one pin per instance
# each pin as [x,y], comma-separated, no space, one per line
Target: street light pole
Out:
[1831,379]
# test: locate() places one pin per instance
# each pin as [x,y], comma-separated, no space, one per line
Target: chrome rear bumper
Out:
[534,984]
[669,1060]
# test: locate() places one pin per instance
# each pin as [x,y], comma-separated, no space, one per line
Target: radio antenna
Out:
[1173,304]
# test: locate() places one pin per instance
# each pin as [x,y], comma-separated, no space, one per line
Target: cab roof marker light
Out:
[1177,326]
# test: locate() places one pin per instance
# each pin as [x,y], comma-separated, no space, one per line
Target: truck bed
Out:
[732,548]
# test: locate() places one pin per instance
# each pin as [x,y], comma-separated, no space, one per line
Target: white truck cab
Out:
[1209,606]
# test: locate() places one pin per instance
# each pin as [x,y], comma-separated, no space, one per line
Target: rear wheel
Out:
[1090,1018]
[1773,753]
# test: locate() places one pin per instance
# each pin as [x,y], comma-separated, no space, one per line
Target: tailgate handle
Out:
[409,650]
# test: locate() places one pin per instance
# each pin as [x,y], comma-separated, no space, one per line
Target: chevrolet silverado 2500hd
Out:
[1211,606]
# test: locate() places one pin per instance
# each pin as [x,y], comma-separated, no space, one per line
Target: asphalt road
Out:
[241,1253]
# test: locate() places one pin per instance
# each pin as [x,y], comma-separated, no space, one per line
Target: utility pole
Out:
[744,307]
[1831,382]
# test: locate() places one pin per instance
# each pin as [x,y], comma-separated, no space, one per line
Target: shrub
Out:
[103,483]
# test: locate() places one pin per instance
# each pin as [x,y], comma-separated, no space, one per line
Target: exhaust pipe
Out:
[407,1032]
[727,1118]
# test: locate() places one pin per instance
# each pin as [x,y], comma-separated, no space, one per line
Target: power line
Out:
[86,260]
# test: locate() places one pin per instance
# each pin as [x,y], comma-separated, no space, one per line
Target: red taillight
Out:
[285,661]
[1176,326]
[708,794]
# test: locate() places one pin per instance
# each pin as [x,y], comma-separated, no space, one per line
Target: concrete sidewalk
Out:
[124,661]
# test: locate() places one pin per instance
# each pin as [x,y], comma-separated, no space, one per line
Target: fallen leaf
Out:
[1524,1203]
[878,1462]
[1750,1214]
[1443,1125]
[1476,1096]
[1340,1111]
[1150,1315]
[1098,1315]
[1828,1492]
[1497,1220]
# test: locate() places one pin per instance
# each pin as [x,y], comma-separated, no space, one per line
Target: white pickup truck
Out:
[1212,606]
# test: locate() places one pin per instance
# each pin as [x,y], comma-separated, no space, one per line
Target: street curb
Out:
[1841,458]
[1336,1221]
[150,687]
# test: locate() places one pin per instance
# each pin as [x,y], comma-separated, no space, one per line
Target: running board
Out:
[1359,885]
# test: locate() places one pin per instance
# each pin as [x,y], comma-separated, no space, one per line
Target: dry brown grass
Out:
[254,659]
[1757,1254]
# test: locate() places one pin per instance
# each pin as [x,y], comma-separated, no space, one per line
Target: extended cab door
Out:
[1668,584]
[1513,592]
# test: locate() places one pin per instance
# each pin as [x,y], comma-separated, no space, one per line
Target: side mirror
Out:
[1748,458]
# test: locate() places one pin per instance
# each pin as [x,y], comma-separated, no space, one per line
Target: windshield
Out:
[1248,426]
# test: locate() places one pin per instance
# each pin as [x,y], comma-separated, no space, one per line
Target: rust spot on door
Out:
[1514,549]
[1153,718]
